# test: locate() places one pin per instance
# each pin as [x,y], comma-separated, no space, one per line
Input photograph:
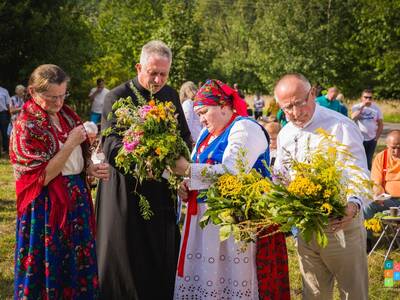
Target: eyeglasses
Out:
[296,103]
[54,98]
[367,97]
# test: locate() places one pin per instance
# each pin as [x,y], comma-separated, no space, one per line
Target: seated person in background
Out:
[385,174]
[273,129]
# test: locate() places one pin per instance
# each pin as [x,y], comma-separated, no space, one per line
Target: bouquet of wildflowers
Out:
[235,202]
[246,204]
[317,191]
[151,141]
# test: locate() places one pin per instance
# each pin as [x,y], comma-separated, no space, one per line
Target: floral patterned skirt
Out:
[272,266]
[56,264]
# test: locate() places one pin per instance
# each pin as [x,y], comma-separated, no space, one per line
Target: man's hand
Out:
[183,190]
[338,224]
[181,166]
[100,171]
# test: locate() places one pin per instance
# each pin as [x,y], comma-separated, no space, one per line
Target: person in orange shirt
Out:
[385,174]
[390,182]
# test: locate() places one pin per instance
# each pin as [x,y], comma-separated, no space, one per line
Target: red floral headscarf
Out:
[216,93]
[33,143]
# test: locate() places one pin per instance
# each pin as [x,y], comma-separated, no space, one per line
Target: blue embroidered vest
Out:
[213,153]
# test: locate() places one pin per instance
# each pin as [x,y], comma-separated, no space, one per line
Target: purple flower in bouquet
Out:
[144,110]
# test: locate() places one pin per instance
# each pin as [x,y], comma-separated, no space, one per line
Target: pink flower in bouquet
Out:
[132,140]
[143,111]
[131,146]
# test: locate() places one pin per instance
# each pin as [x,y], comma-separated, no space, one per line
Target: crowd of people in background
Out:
[128,254]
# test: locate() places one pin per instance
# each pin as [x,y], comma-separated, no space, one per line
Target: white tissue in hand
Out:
[98,158]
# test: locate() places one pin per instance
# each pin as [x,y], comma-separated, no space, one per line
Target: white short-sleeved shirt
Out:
[368,121]
[97,105]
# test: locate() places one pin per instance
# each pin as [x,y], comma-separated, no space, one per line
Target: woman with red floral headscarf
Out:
[206,266]
[55,255]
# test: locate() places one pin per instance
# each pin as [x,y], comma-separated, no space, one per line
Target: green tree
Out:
[38,32]
[376,44]
[302,36]
[120,28]
[181,31]
[228,31]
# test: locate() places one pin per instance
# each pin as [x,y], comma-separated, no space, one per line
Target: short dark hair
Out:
[367,90]
[99,80]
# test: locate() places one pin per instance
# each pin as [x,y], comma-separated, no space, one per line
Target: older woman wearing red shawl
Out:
[55,256]
[206,266]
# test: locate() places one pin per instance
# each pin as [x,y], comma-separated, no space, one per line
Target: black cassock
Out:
[136,258]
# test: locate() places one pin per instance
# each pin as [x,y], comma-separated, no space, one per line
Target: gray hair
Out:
[306,83]
[91,127]
[157,48]
[19,87]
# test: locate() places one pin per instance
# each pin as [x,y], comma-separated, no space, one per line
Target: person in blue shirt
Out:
[4,118]
[329,101]
[281,117]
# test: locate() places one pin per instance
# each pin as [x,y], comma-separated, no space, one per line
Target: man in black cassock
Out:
[137,258]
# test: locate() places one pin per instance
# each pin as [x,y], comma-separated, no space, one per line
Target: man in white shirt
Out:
[97,95]
[258,106]
[321,266]
[368,117]
[4,117]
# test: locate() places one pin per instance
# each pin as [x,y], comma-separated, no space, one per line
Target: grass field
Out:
[7,236]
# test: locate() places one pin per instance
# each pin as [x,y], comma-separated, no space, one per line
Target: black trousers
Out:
[369,147]
[258,114]
[4,121]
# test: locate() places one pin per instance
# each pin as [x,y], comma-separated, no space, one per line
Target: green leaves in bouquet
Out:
[144,207]
[322,239]
[234,201]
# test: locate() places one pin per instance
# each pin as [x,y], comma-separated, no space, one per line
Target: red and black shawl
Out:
[34,141]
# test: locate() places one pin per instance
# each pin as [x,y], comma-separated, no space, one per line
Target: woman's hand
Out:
[100,171]
[183,191]
[181,166]
[76,136]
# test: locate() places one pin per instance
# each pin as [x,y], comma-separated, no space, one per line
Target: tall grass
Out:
[7,229]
